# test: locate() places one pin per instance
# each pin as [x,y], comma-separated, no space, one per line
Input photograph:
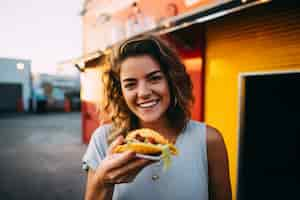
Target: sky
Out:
[44,31]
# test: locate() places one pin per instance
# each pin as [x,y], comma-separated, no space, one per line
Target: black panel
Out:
[9,96]
[269,138]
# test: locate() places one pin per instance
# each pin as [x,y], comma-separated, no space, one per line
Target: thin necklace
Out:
[156,170]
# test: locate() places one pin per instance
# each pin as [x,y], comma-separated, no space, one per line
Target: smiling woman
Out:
[147,87]
[163,84]
[145,90]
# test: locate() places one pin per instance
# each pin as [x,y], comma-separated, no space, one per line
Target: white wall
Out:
[10,74]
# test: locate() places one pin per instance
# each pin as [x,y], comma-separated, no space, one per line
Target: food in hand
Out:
[150,143]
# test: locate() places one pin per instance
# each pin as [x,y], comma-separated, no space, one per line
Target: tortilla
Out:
[145,148]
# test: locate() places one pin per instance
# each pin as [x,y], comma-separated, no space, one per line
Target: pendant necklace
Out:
[156,170]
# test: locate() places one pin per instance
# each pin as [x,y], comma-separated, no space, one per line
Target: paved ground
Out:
[40,157]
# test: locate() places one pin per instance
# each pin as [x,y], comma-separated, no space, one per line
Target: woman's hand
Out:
[115,168]
[121,167]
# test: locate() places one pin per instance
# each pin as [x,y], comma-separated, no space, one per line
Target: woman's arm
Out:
[97,191]
[114,169]
[218,167]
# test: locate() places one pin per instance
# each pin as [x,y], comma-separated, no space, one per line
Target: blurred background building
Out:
[22,91]
[56,92]
[41,152]
[15,85]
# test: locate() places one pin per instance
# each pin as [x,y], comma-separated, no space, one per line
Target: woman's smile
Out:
[148,104]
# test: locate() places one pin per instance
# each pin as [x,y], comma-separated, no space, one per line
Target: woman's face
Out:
[145,88]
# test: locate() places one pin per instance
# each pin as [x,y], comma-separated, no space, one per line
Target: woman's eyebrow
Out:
[153,73]
[128,80]
[147,76]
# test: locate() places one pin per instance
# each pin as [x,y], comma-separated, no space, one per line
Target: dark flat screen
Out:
[269,137]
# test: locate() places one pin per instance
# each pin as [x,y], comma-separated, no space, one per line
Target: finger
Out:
[118,141]
[132,168]
[120,159]
[128,178]
[123,178]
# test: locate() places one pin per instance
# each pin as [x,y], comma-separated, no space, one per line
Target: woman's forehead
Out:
[138,66]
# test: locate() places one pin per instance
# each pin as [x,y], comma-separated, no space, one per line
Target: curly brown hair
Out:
[180,84]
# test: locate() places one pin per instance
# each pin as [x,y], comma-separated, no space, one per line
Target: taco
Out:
[148,144]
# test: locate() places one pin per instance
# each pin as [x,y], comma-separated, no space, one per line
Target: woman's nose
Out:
[144,91]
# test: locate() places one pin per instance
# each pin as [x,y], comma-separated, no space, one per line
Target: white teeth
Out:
[147,105]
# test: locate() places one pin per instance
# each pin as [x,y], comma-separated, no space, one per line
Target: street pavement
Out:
[40,157]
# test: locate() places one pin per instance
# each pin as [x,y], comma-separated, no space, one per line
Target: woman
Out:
[148,87]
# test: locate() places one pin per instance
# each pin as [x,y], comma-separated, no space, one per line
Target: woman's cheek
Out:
[129,98]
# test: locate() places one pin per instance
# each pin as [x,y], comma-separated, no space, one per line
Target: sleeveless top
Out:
[187,177]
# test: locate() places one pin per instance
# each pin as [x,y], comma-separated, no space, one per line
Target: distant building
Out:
[64,82]
[15,84]
[51,91]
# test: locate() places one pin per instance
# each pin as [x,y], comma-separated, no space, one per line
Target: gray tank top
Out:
[187,178]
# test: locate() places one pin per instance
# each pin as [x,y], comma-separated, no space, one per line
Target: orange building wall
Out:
[264,38]
[158,8]
[96,35]
[91,94]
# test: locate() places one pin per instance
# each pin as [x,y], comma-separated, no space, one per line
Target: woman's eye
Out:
[129,85]
[156,78]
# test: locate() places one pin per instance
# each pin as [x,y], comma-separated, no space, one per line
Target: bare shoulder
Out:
[216,148]
[214,136]
[218,165]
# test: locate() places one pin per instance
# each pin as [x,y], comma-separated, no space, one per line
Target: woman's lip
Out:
[152,104]
[145,102]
